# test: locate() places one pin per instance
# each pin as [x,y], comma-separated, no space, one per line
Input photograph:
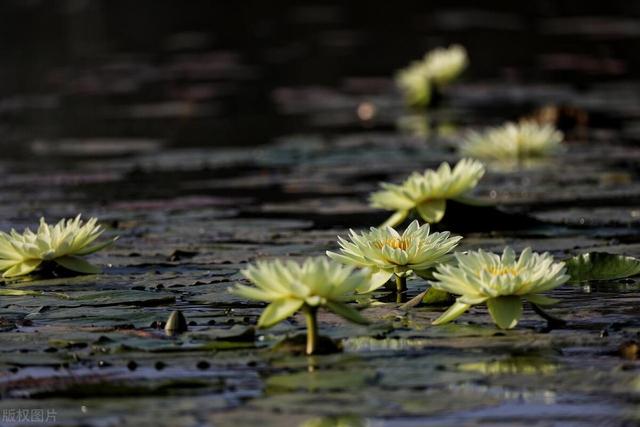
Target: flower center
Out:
[395,243]
[502,271]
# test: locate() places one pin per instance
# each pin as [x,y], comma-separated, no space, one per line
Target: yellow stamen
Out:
[395,243]
[501,271]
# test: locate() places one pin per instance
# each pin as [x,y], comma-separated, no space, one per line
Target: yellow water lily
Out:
[288,287]
[502,282]
[438,68]
[413,81]
[387,253]
[427,193]
[443,65]
[62,244]
[513,141]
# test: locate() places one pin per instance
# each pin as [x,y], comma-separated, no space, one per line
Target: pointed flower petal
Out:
[277,311]
[455,311]
[505,311]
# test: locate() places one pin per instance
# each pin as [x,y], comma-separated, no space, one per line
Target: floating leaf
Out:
[436,297]
[431,296]
[601,266]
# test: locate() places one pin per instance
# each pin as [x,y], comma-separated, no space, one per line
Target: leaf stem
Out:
[401,284]
[552,320]
[312,328]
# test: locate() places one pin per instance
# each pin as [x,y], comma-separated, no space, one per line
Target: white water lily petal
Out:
[385,251]
[540,299]
[426,193]
[61,243]
[6,264]
[438,68]
[472,300]
[277,311]
[376,281]
[455,311]
[513,141]
[479,276]
[396,218]
[22,268]
[317,282]
[505,311]
[251,292]
[77,264]
[95,248]
[432,211]
[444,65]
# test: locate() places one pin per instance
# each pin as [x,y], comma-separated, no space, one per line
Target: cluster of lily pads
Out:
[367,261]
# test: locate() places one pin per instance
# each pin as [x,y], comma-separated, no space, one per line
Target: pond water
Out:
[207,136]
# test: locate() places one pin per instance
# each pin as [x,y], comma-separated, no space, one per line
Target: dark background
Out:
[205,72]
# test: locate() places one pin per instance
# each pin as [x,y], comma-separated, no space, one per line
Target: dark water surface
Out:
[210,134]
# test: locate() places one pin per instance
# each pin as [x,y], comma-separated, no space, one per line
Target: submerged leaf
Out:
[601,266]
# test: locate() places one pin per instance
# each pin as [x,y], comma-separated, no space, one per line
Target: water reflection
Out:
[523,365]
[337,421]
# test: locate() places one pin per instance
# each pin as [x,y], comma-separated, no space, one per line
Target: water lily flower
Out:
[443,65]
[502,282]
[427,193]
[62,244]
[438,68]
[288,287]
[513,141]
[414,84]
[387,253]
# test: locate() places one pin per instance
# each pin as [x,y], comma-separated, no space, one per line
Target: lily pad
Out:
[431,296]
[594,266]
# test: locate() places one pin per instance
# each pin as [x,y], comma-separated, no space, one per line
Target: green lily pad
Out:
[431,296]
[593,266]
